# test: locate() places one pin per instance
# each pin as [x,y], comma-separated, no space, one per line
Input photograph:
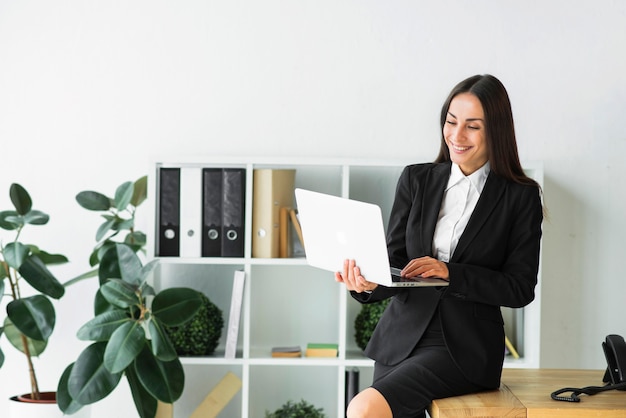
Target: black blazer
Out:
[495,264]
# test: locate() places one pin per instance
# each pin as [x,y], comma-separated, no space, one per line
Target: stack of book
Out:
[291,351]
[322,350]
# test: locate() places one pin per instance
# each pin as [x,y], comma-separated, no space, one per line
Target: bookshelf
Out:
[287,303]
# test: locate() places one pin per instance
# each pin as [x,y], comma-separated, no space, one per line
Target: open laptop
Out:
[335,229]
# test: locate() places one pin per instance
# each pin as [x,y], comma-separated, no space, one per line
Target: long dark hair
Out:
[499,128]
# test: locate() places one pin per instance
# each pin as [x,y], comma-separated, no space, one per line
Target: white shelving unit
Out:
[286,302]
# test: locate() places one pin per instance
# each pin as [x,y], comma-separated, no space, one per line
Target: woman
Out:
[473,218]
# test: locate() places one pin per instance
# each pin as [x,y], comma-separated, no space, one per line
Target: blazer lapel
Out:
[492,192]
[433,192]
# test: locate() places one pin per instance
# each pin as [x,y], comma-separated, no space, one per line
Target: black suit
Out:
[495,264]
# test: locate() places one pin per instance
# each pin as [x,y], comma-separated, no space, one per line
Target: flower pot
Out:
[23,406]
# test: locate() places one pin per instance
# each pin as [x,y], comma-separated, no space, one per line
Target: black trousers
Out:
[428,373]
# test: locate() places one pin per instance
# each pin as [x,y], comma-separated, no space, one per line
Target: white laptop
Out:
[335,229]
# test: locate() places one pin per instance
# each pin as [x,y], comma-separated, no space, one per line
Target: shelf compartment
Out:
[274,386]
[215,281]
[292,305]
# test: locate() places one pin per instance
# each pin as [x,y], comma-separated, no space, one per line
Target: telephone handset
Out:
[615,352]
[615,376]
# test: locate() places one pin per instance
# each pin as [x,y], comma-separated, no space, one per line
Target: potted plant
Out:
[128,327]
[25,277]
[301,409]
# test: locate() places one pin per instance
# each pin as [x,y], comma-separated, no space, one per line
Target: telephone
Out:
[615,376]
[615,352]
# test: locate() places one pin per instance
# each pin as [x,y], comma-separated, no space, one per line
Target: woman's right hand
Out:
[354,281]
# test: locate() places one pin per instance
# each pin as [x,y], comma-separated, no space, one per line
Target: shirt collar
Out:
[478,178]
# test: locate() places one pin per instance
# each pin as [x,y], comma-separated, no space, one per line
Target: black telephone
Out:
[615,376]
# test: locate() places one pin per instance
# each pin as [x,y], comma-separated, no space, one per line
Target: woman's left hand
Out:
[426,267]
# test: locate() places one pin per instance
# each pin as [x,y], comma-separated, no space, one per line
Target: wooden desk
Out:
[526,393]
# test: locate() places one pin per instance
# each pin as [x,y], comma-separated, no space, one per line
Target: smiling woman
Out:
[473,218]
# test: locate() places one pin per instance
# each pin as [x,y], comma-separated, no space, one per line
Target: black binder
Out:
[169,212]
[212,212]
[223,198]
[233,204]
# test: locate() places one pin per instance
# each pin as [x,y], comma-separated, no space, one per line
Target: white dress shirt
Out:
[459,201]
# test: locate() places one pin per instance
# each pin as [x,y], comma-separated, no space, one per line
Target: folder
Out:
[233,207]
[168,213]
[271,190]
[212,212]
[223,208]
[190,211]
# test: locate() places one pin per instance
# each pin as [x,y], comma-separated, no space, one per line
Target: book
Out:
[291,351]
[293,214]
[235,314]
[284,246]
[322,350]
[511,348]
[219,397]
[271,190]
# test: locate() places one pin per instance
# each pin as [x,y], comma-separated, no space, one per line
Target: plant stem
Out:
[34,386]
[15,293]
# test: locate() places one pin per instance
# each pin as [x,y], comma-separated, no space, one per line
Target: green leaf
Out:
[35,272]
[66,403]
[1,356]
[125,344]
[164,380]
[123,224]
[145,403]
[176,305]
[95,201]
[81,277]
[34,316]
[119,293]
[140,192]
[47,258]
[7,220]
[103,229]
[2,276]
[36,217]
[136,238]
[89,380]
[120,261]
[35,347]
[101,305]
[123,195]
[15,253]
[162,347]
[20,199]
[102,327]
[147,270]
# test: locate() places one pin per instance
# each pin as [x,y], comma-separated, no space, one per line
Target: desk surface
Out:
[526,393]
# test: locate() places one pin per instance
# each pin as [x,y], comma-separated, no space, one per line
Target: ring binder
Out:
[169,213]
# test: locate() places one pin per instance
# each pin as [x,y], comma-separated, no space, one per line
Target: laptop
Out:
[335,229]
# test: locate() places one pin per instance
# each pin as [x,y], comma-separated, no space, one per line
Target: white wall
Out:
[92,91]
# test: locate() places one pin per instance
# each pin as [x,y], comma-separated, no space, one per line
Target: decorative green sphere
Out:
[366,321]
[200,335]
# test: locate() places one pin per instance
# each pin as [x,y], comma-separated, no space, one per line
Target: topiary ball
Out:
[200,335]
[302,409]
[366,321]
